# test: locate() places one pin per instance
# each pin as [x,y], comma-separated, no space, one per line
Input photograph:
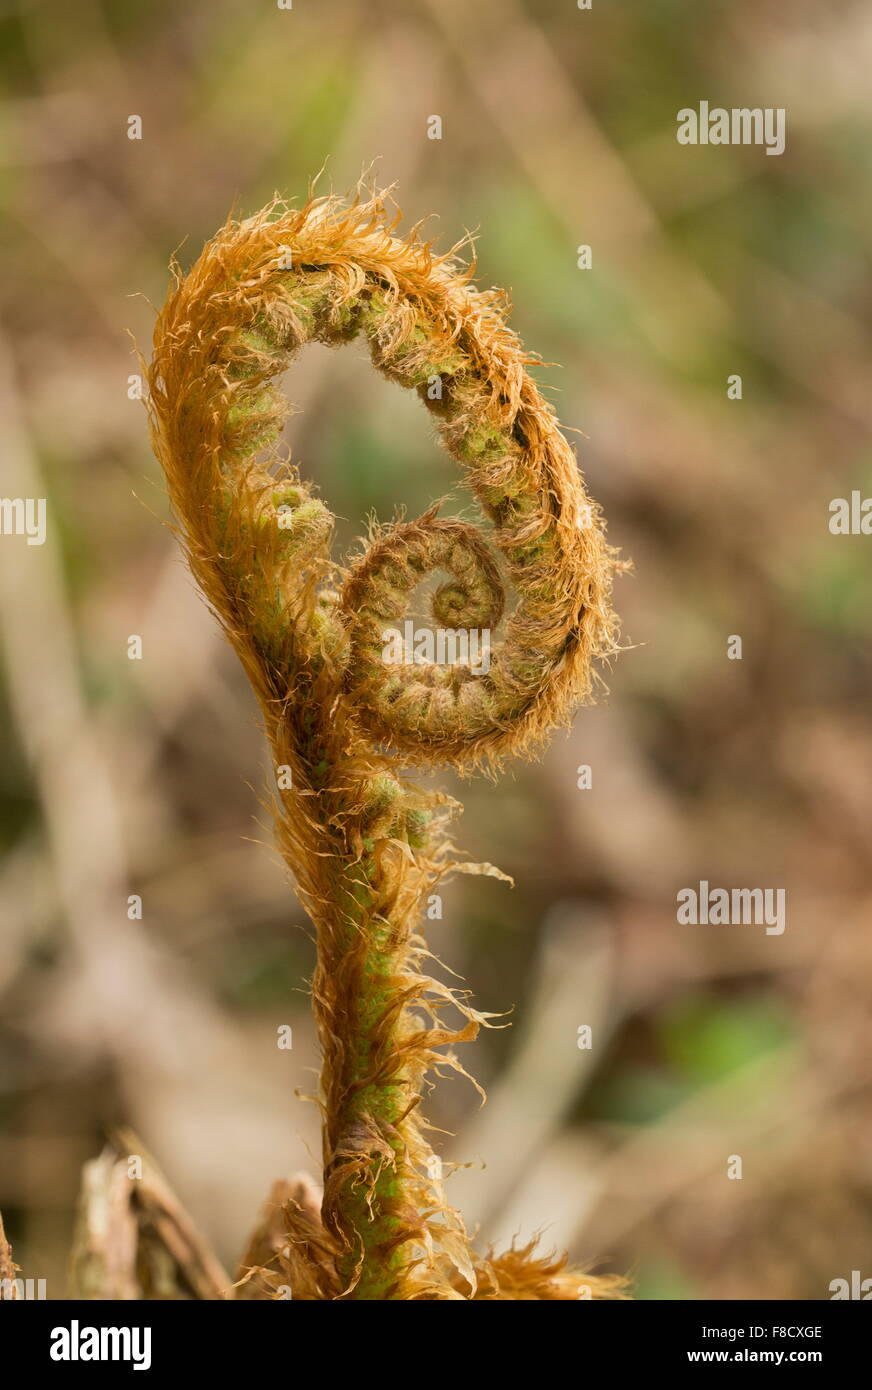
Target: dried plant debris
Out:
[290,1255]
[9,1270]
[133,1240]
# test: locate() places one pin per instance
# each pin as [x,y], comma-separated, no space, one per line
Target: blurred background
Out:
[124,777]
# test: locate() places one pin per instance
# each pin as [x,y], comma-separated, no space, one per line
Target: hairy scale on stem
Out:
[366,846]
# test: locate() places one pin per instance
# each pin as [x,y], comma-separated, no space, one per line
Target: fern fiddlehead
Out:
[364,845]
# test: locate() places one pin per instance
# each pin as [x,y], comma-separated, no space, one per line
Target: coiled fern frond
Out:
[365,846]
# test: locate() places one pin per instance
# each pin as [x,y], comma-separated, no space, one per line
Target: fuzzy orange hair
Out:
[364,845]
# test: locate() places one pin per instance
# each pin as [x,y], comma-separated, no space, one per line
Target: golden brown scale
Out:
[364,846]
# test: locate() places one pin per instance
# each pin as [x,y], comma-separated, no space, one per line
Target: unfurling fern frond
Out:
[364,845]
